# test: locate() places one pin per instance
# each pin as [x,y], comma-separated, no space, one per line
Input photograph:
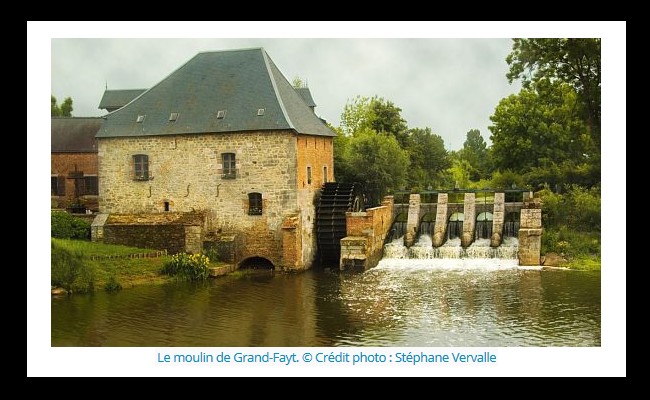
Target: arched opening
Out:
[455,225]
[427,223]
[483,228]
[511,225]
[257,263]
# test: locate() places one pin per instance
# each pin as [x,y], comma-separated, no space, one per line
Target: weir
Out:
[457,224]
[467,224]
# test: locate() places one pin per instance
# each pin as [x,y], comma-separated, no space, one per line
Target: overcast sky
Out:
[449,85]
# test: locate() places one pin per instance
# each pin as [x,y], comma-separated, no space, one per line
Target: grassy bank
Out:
[74,269]
[581,250]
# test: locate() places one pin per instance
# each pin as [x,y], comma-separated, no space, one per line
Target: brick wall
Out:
[62,164]
[315,152]
[366,232]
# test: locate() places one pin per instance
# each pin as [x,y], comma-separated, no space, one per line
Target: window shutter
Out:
[60,185]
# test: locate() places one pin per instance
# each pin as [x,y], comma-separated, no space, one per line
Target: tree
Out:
[388,120]
[356,116]
[541,128]
[374,113]
[377,161]
[475,152]
[429,158]
[573,61]
[65,110]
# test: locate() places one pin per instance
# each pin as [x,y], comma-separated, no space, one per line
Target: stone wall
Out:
[174,232]
[186,174]
[166,237]
[413,220]
[530,236]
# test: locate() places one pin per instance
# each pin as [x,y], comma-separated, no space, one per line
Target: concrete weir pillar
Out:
[498,216]
[413,220]
[440,227]
[470,220]
[530,236]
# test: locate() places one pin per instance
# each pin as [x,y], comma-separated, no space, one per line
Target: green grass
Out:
[129,272]
[585,262]
[581,249]
[106,273]
[125,272]
[87,248]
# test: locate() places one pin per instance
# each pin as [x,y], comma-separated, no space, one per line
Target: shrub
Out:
[69,271]
[66,226]
[578,208]
[569,242]
[192,267]
[112,285]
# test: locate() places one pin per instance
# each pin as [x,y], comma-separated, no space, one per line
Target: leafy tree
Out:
[388,120]
[56,111]
[65,110]
[374,113]
[475,151]
[538,127]
[66,107]
[429,158]
[459,173]
[573,61]
[377,161]
[356,116]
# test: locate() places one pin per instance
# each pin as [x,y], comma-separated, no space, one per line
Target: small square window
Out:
[173,117]
[221,114]
[140,118]
[260,112]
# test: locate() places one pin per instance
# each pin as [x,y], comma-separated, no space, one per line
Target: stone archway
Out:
[256,263]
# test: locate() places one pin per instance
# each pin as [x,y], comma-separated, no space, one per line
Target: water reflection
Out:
[398,303]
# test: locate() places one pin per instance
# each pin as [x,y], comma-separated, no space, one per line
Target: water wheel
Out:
[335,200]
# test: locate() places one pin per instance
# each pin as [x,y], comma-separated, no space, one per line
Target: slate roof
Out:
[75,134]
[239,82]
[305,93]
[114,99]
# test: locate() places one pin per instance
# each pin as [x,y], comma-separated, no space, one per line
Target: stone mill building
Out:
[223,152]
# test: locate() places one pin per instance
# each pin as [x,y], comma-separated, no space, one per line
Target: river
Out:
[465,302]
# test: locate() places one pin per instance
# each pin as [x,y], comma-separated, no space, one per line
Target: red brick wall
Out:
[370,226]
[62,164]
[315,152]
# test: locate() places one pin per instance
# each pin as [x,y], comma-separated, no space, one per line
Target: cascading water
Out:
[451,254]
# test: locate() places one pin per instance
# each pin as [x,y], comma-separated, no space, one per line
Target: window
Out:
[325,174]
[92,188]
[140,118]
[141,167]
[309,175]
[229,166]
[260,112]
[58,186]
[255,204]
[173,117]
[221,114]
